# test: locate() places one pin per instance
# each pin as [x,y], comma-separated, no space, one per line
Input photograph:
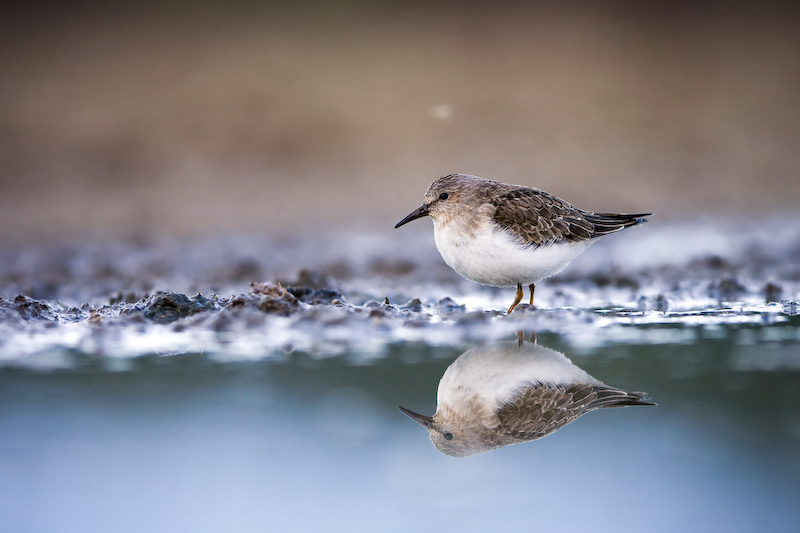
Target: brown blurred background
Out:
[198,118]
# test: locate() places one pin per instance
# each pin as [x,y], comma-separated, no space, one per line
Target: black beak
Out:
[420,212]
[416,417]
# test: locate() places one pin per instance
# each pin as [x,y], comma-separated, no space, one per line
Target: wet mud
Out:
[355,293]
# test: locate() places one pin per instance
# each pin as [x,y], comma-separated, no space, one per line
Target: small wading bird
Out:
[509,235]
[511,392]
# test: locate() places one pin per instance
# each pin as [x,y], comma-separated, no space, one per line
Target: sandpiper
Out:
[510,235]
[508,393]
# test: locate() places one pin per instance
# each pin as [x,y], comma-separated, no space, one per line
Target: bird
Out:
[505,235]
[512,392]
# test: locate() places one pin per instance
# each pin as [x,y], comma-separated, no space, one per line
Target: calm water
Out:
[185,443]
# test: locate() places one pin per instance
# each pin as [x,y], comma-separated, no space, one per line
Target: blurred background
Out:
[210,118]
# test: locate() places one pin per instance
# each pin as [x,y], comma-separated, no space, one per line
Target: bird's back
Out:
[537,218]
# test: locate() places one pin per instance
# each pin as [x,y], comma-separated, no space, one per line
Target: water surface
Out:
[188,443]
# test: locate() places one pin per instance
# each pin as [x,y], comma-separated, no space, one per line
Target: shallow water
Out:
[187,443]
[275,406]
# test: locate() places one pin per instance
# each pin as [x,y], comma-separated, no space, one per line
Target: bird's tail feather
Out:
[608,397]
[605,223]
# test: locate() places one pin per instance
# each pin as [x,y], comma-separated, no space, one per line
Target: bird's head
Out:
[451,434]
[447,196]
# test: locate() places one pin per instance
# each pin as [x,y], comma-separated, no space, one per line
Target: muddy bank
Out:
[340,293]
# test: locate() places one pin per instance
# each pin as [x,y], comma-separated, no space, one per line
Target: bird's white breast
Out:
[493,375]
[486,254]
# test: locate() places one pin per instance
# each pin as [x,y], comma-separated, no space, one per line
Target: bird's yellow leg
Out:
[532,288]
[518,298]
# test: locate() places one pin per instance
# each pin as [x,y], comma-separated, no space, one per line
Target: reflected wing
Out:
[542,409]
[538,218]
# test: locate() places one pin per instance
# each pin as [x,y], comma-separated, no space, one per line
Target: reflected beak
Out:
[420,212]
[416,417]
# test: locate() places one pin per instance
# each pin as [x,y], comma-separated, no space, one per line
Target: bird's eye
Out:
[448,436]
[444,196]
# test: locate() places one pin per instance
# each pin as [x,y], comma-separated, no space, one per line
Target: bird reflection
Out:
[512,392]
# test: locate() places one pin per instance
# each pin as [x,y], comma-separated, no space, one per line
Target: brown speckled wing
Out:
[542,409]
[538,218]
